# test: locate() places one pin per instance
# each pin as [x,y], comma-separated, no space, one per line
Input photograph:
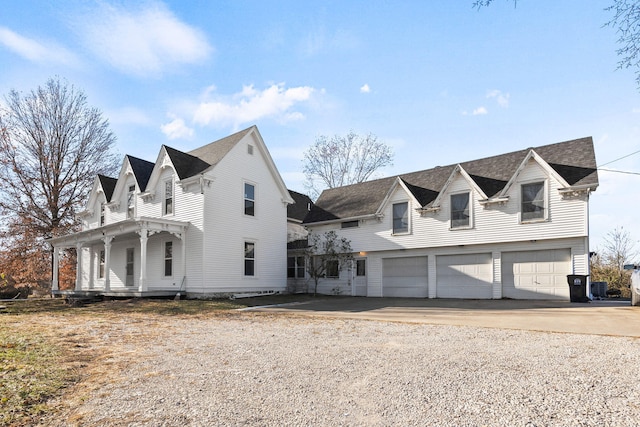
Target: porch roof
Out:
[120,229]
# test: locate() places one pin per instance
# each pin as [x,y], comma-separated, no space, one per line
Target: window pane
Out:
[400,218]
[249,208]
[168,258]
[361,267]
[249,191]
[248,267]
[332,268]
[459,210]
[300,267]
[533,201]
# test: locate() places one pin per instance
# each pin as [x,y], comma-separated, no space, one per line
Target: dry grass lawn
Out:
[53,355]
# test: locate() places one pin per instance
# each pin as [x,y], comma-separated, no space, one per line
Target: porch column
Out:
[144,237]
[56,268]
[183,237]
[107,262]
[78,266]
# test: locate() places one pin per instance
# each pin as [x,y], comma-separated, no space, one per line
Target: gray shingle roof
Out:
[573,160]
[300,206]
[214,152]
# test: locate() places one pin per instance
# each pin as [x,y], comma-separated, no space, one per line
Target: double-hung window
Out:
[168,259]
[249,259]
[101,265]
[332,269]
[168,197]
[460,210]
[102,214]
[131,201]
[400,218]
[295,267]
[533,203]
[249,199]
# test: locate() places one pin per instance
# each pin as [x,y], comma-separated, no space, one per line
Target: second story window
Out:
[400,218]
[460,210]
[102,214]
[131,201]
[168,197]
[533,201]
[249,199]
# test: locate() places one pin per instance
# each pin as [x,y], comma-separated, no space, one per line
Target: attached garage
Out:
[464,276]
[536,274]
[404,277]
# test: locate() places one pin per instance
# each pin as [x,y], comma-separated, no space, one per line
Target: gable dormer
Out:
[132,180]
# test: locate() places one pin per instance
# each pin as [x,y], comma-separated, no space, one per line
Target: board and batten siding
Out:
[226,227]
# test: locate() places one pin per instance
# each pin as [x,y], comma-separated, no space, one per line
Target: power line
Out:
[625,172]
[623,157]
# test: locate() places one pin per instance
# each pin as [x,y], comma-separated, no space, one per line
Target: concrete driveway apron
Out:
[607,317]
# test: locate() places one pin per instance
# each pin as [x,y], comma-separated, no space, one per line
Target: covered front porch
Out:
[131,258]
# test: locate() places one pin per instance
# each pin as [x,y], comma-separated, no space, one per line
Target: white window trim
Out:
[255,197]
[409,220]
[133,214]
[471,212]
[164,197]
[173,258]
[545,218]
[255,259]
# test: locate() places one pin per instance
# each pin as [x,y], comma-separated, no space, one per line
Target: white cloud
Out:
[35,51]
[251,104]
[176,128]
[143,41]
[501,98]
[365,88]
[129,115]
[480,111]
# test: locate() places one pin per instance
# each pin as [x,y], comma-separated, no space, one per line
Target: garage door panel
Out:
[464,276]
[404,277]
[536,274]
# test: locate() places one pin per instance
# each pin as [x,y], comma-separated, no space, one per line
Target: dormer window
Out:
[533,202]
[102,214]
[131,201]
[400,218]
[460,210]
[168,197]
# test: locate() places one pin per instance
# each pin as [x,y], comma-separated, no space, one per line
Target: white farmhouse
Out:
[212,221]
[509,226]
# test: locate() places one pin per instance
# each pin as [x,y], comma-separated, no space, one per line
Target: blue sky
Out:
[440,81]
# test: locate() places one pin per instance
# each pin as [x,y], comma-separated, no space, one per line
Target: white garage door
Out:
[464,276]
[404,277]
[536,274]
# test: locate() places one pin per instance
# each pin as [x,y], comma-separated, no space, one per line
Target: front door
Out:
[129,280]
[360,278]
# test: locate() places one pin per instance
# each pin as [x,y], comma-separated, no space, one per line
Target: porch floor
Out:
[116,293]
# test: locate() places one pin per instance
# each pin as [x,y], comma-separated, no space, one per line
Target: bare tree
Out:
[52,145]
[326,253]
[626,21]
[341,160]
[608,265]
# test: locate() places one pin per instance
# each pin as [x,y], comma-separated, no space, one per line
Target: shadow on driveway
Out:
[607,317]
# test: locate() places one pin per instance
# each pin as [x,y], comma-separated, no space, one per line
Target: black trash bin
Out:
[577,287]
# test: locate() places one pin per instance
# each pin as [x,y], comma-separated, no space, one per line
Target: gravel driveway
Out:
[260,369]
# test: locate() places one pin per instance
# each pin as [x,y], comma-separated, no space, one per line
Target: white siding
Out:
[226,227]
